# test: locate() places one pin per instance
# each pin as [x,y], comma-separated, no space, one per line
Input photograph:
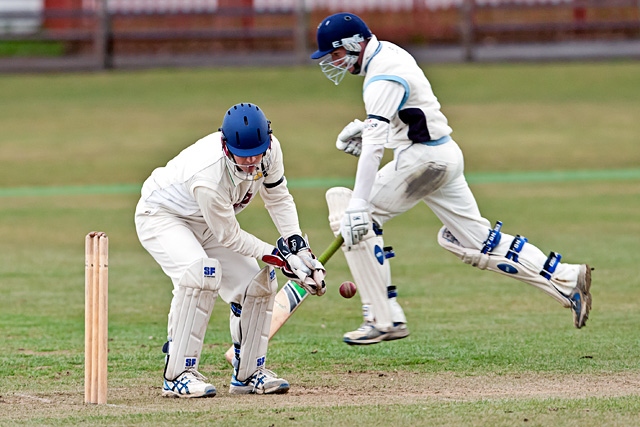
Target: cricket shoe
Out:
[580,297]
[263,381]
[190,383]
[369,334]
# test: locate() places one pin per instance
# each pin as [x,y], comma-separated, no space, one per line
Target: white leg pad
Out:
[397,313]
[337,200]
[191,309]
[369,268]
[254,323]
[371,273]
[502,265]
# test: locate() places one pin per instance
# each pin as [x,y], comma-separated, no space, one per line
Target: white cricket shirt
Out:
[198,184]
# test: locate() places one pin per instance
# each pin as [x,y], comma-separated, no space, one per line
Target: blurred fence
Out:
[112,33]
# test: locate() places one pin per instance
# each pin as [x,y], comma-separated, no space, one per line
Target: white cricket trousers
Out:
[435,175]
[176,242]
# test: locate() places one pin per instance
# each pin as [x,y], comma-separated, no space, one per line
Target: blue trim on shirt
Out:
[391,78]
[439,141]
[378,49]
[382,119]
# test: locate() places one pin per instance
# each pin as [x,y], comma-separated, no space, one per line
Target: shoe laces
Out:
[366,326]
[195,374]
[264,372]
[258,377]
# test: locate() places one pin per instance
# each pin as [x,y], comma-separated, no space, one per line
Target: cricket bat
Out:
[290,296]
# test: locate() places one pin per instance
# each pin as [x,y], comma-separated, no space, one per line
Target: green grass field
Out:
[551,150]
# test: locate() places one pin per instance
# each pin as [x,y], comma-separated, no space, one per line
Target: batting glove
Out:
[350,139]
[315,281]
[298,263]
[354,226]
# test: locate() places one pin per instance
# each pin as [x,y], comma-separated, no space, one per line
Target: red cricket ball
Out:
[348,289]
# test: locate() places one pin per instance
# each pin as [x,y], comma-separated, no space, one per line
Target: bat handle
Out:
[333,247]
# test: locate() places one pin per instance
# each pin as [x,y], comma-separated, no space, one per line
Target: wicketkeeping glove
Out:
[354,225]
[350,138]
[297,262]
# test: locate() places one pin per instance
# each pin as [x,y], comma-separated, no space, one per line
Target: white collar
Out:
[373,47]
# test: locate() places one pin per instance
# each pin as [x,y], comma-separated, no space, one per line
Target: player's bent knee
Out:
[509,264]
[473,257]
[202,274]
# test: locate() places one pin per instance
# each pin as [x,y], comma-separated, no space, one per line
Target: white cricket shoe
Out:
[367,334]
[580,297]
[263,381]
[190,383]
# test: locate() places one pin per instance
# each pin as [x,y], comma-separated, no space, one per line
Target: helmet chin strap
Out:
[261,170]
[263,167]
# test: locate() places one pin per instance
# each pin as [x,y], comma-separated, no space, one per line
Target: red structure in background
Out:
[244,6]
[59,14]
[186,27]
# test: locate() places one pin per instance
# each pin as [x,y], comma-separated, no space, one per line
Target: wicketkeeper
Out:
[186,220]
[403,115]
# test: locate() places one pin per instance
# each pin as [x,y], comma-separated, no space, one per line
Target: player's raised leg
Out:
[514,256]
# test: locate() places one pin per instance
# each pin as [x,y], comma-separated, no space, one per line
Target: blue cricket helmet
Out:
[333,29]
[246,130]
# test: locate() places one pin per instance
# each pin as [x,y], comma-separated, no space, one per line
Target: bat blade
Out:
[290,296]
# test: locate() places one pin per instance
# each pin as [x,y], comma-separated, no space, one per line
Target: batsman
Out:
[186,220]
[403,115]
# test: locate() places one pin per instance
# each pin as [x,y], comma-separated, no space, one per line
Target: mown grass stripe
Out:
[554,176]
[473,178]
[70,190]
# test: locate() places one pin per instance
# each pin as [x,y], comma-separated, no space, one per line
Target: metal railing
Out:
[105,33]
